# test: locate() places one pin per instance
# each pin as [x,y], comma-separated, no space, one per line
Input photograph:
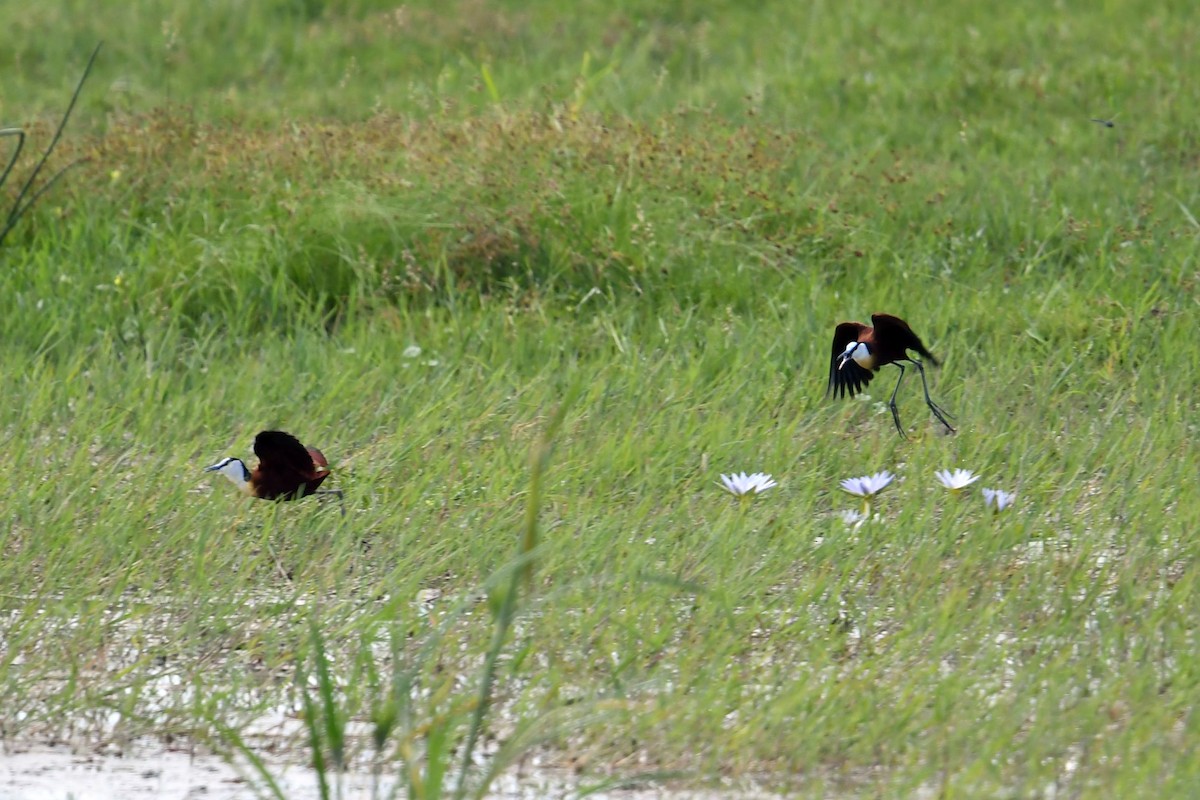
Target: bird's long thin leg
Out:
[937,411]
[892,402]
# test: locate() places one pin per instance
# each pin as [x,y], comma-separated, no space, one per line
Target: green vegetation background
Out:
[405,231]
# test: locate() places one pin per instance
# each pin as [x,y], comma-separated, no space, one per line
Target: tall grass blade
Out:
[12,161]
[324,720]
[260,768]
[18,209]
[317,745]
[540,458]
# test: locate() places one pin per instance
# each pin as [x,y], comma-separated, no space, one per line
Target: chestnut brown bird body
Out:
[286,470]
[860,350]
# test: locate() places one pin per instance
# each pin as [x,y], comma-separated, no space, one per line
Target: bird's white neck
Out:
[861,354]
[235,470]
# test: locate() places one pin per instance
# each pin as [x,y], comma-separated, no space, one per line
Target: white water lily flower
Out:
[740,484]
[868,485]
[997,499]
[957,480]
[853,519]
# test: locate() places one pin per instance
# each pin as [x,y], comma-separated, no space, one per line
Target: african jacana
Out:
[860,350]
[287,470]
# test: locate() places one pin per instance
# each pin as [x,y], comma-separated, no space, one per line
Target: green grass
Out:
[668,206]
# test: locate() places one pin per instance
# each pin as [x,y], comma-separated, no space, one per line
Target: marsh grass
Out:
[421,723]
[407,255]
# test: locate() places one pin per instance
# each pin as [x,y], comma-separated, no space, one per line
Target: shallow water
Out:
[56,773]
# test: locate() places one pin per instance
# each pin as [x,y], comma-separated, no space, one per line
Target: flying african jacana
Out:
[287,470]
[860,350]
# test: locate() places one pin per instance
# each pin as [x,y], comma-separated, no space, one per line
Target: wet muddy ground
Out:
[56,773]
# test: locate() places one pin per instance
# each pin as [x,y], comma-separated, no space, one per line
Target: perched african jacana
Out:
[287,470]
[860,350]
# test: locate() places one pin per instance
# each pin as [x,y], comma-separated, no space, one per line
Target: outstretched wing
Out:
[851,378]
[894,329]
[318,458]
[281,453]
